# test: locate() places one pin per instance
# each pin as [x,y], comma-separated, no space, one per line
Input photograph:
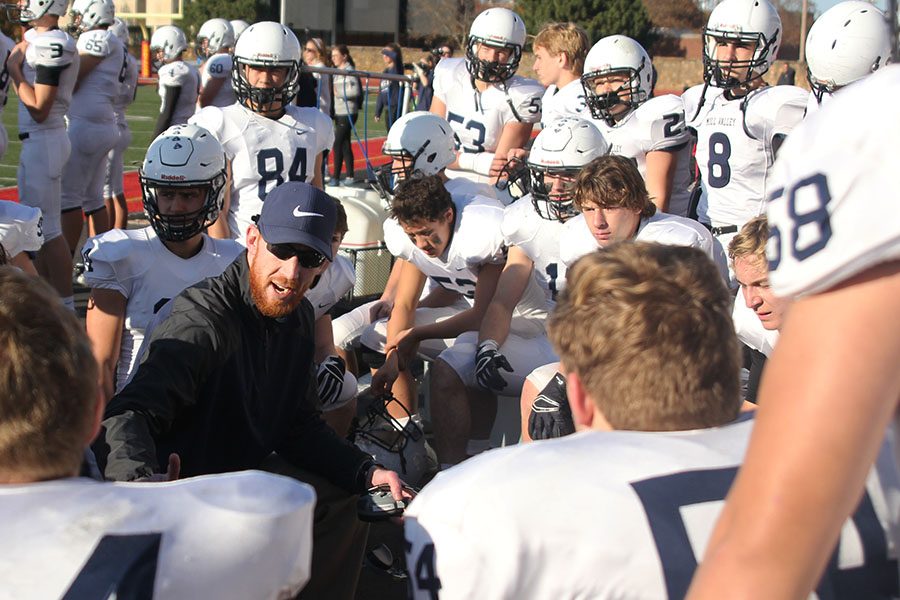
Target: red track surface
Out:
[133,187]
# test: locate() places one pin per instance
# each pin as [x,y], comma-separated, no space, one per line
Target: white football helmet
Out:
[561,150]
[497,28]
[90,14]
[170,40]
[32,10]
[422,142]
[617,55]
[213,36]
[183,156]
[397,444]
[849,41]
[238,26]
[266,44]
[120,30]
[749,21]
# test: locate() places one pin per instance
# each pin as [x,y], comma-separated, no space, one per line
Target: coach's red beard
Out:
[276,297]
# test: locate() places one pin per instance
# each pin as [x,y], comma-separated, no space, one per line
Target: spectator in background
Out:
[315,55]
[391,94]
[788,74]
[425,72]
[446,51]
[347,97]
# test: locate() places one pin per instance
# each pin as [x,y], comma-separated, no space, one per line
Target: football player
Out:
[267,139]
[114,188]
[491,109]
[6,48]
[214,43]
[850,40]
[832,385]
[559,53]
[511,341]
[452,240]
[739,121]
[43,68]
[237,536]
[618,85]
[615,206]
[133,272]
[238,26]
[418,143]
[179,80]
[20,233]
[651,361]
[92,125]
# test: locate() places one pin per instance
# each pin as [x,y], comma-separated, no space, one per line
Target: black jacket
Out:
[224,386]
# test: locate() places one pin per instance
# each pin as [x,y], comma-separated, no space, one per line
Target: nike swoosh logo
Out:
[323,305]
[301,213]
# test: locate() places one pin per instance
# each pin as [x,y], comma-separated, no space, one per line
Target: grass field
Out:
[142,119]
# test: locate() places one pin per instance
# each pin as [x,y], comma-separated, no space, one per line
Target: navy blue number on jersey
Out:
[4,77]
[479,130]
[815,220]
[674,124]
[719,170]
[270,166]
[121,566]
[467,284]
[552,271]
[424,576]
[123,72]
[664,497]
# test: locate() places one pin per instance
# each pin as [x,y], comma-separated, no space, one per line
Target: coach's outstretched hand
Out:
[399,490]
[173,471]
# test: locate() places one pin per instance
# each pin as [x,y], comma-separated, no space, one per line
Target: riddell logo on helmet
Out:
[265,55]
[172,177]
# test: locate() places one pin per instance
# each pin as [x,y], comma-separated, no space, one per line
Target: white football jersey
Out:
[20,228]
[137,264]
[749,328]
[54,49]
[476,241]
[183,75]
[567,101]
[333,284]
[238,535]
[832,205]
[127,89]
[93,100]
[265,153]
[466,187]
[219,67]
[735,147]
[477,119]
[661,228]
[539,238]
[619,514]
[657,124]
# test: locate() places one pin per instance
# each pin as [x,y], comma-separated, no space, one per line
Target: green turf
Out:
[141,118]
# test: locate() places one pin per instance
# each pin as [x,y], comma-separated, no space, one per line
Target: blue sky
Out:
[823,5]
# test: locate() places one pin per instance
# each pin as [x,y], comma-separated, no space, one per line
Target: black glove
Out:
[488,362]
[330,379]
[550,415]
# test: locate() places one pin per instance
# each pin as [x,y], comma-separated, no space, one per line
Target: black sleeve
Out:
[173,92]
[307,94]
[312,444]
[757,364]
[180,352]
[47,75]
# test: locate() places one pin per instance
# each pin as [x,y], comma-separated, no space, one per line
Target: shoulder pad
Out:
[115,258]
[94,42]
[514,226]
[219,66]
[692,97]
[526,96]
[227,249]
[343,275]
[671,231]
[318,121]
[662,121]
[479,238]
[774,110]
[20,228]
[396,240]
[212,119]
[575,240]
[174,74]
[445,74]
[53,50]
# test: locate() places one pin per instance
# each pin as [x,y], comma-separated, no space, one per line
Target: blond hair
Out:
[648,330]
[750,242]
[48,381]
[613,181]
[565,38]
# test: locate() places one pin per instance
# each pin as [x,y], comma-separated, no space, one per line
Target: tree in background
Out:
[599,17]
[675,14]
[199,11]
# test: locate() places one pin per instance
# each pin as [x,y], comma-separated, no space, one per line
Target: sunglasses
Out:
[308,259]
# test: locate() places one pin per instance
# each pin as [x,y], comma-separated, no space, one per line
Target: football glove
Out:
[550,415]
[488,362]
[330,379]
